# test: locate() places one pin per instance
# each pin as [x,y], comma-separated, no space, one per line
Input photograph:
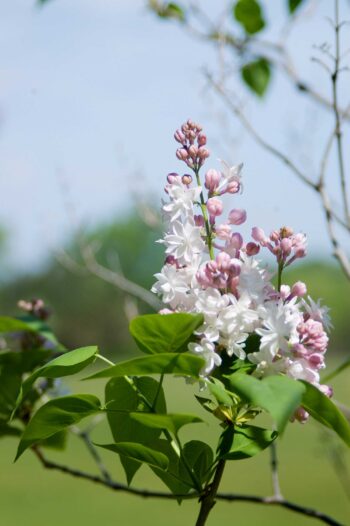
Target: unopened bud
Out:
[252,249]
[181,153]
[171,178]
[237,216]
[202,139]
[212,180]
[259,235]
[215,206]
[180,137]
[299,289]
[193,150]
[203,153]
[199,220]
[186,179]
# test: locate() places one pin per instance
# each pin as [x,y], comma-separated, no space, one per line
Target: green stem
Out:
[192,475]
[279,276]
[205,215]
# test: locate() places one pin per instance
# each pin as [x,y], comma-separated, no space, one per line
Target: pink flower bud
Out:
[202,139]
[236,240]
[179,137]
[223,231]
[193,151]
[316,360]
[284,291]
[299,289]
[212,180]
[275,235]
[259,235]
[215,206]
[237,216]
[171,260]
[223,261]
[301,415]
[286,246]
[235,267]
[199,220]
[186,179]
[171,178]
[252,249]
[233,187]
[181,153]
[203,153]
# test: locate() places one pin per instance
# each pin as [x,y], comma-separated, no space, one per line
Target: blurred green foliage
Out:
[85,308]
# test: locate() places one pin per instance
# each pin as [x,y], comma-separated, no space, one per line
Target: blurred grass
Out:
[34,496]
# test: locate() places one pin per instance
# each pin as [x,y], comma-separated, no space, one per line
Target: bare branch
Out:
[338,129]
[117,279]
[256,136]
[228,497]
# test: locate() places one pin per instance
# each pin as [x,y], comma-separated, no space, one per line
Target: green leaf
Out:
[218,390]
[293,5]
[256,75]
[325,411]
[121,399]
[139,453]
[249,14]
[65,365]
[207,404]
[278,395]
[58,441]
[168,10]
[168,363]
[171,478]
[199,457]
[8,324]
[247,441]
[55,416]
[171,422]
[160,333]
[10,383]
[24,361]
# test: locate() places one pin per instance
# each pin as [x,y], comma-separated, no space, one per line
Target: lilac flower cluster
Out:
[210,269]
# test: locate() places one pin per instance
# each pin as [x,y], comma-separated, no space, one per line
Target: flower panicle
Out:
[210,269]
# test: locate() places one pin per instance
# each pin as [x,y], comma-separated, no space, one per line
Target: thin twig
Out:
[84,436]
[116,279]
[256,136]
[228,497]
[338,130]
[277,493]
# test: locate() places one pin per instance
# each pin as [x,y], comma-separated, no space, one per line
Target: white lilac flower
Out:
[183,241]
[238,316]
[279,326]
[206,350]
[234,344]
[301,370]
[182,199]
[266,365]
[171,284]
[253,279]
[229,174]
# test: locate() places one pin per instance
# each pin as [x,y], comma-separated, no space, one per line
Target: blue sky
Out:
[90,94]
